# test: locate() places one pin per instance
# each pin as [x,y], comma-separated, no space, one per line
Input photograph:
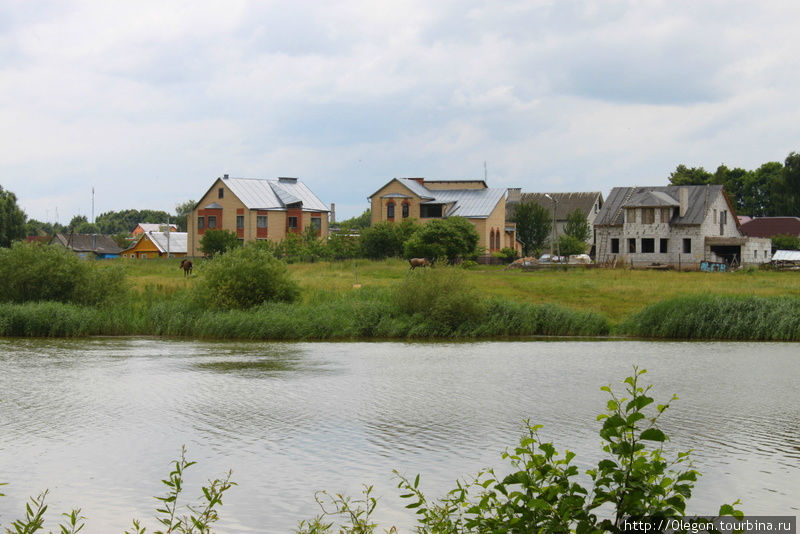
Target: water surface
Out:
[98,421]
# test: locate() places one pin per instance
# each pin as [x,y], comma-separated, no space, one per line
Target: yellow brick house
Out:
[425,200]
[256,209]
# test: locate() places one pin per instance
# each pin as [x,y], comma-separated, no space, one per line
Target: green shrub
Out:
[448,239]
[544,492]
[32,272]
[569,245]
[786,242]
[243,278]
[216,242]
[441,300]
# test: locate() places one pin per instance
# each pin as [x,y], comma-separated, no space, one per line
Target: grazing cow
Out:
[419,262]
[186,265]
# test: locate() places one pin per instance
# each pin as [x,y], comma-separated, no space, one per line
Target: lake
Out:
[98,421]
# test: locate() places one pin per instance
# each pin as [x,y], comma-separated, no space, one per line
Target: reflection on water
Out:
[98,421]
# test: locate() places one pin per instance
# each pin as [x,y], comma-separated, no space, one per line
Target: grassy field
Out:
[613,293]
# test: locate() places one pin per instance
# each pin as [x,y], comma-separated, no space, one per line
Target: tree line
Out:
[771,190]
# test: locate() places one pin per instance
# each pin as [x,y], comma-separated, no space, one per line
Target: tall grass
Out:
[718,317]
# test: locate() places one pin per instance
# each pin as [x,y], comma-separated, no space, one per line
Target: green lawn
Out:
[613,293]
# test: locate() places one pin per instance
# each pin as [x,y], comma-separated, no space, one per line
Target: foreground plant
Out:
[198,520]
[541,494]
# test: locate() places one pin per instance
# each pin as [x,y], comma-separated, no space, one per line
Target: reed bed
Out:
[727,317]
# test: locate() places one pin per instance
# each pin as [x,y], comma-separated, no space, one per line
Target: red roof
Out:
[772,226]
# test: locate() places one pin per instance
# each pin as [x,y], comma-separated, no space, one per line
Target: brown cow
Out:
[419,262]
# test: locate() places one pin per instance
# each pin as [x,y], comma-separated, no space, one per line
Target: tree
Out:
[577,226]
[786,242]
[182,212]
[533,226]
[386,239]
[12,219]
[791,185]
[683,175]
[356,223]
[218,242]
[449,239]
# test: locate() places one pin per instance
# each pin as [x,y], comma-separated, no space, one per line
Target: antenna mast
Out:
[485,172]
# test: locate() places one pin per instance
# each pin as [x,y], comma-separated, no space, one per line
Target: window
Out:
[615,246]
[630,215]
[212,221]
[261,221]
[715,216]
[663,246]
[390,210]
[221,192]
[292,222]
[687,245]
[648,216]
[648,245]
[405,210]
[632,245]
[491,239]
[755,254]
[316,222]
[665,215]
[430,210]
[201,223]
[240,221]
[723,217]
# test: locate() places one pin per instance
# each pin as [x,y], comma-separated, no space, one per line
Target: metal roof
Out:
[472,203]
[174,242]
[154,227]
[786,255]
[97,243]
[274,194]
[417,188]
[700,198]
[771,226]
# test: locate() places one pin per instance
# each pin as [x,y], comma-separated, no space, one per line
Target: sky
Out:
[148,102]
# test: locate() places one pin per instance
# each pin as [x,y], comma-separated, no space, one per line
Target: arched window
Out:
[405,210]
[390,210]
[491,240]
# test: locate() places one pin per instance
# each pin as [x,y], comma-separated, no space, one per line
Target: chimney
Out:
[514,194]
[333,213]
[224,176]
[683,199]
[420,181]
[287,180]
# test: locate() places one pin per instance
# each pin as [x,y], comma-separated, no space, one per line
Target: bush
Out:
[448,239]
[441,301]
[569,245]
[633,487]
[216,242]
[243,278]
[32,272]
[786,242]
[507,254]
[386,239]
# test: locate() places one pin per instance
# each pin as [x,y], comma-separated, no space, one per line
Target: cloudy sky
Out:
[149,101]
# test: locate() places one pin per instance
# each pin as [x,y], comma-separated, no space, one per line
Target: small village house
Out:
[89,246]
[256,209]
[417,198]
[772,226]
[588,203]
[681,226]
[158,245]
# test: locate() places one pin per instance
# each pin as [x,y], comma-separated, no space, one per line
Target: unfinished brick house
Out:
[681,226]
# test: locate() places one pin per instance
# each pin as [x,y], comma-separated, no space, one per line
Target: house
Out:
[588,203]
[417,198]
[772,226]
[152,227]
[158,245]
[681,226]
[256,209]
[88,246]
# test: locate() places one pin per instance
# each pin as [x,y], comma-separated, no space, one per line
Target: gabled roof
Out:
[153,227]
[650,199]
[700,198]
[97,243]
[771,226]
[566,203]
[471,203]
[174,242]
[273,194]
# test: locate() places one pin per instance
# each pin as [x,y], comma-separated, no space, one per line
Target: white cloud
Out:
[572,95]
